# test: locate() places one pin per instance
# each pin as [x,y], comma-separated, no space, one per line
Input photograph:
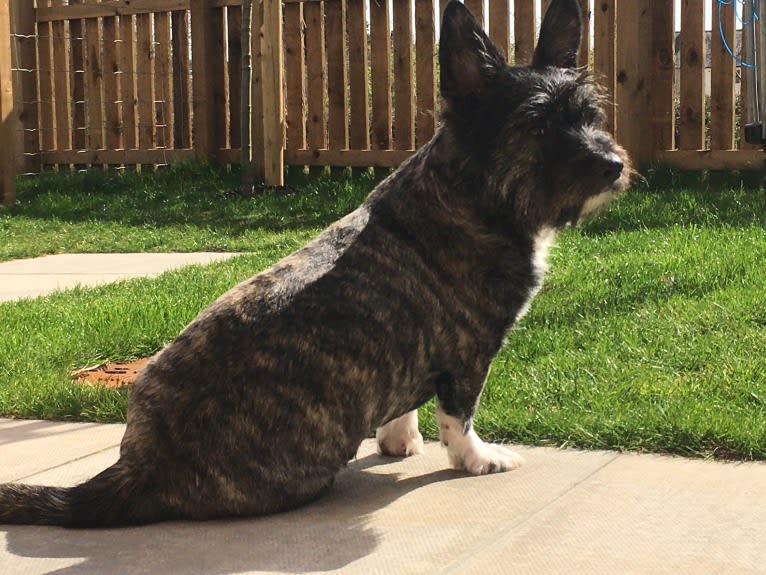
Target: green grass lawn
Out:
[189,208]
[649,334]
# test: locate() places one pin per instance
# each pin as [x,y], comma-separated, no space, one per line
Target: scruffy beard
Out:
[595,204]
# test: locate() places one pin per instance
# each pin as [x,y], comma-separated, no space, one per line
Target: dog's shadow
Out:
[325,535]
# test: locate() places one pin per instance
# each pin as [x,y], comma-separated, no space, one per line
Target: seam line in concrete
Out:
[75,460]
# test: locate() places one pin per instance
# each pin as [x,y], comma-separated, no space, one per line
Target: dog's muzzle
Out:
[608,169]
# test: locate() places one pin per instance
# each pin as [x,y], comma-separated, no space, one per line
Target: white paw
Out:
[467,451]
[483,458]
[400,437]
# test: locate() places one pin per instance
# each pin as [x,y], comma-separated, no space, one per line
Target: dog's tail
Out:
[111,498]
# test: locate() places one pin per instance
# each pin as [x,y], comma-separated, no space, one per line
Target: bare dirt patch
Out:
[110,374]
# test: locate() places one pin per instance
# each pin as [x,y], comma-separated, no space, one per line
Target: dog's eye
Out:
[537,131]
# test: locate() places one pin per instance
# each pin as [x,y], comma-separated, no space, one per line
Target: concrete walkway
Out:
[40,276]
[564,512]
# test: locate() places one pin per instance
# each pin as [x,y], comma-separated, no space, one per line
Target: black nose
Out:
[609,168]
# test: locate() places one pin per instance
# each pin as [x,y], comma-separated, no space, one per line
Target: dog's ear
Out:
[560,35]
[467,57]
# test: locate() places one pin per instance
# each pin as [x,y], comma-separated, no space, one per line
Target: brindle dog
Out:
[259,402]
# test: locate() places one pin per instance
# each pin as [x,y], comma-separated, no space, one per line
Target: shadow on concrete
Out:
[326,535]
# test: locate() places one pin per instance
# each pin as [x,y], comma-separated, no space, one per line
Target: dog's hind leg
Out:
[465,449]
[400,437]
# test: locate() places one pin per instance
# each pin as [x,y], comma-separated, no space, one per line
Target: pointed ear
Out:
[467,57]
[560,35]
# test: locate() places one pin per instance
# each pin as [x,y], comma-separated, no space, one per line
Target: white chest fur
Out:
[540,248]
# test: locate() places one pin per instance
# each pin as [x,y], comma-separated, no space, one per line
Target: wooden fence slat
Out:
[662,75]
[93,85]
[111,67]
[7,163]
[77,81]
[746,100]
[604,54]
[316,124]
[128,82]
[272,66]
[215,60]
[181,80]
[45,74]
[584,54]
[257,137]
[62,127]
[335,40]
[500,25]
[359,111]
[425,39]
[404,117]
[380,58]
[234,74]
[722,76]
[692,88]
[145,81]
[206,48]
[524,25]
[633,72]
[163,67]
[477,9]
[295,76]
[442,6]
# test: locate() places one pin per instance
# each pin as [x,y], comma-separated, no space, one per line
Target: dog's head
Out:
[534,134]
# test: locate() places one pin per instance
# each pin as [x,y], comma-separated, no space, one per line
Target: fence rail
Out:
[150,82]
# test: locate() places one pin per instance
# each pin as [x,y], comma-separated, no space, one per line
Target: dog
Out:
[268,393]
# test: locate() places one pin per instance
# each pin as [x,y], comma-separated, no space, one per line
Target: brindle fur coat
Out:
[259,402]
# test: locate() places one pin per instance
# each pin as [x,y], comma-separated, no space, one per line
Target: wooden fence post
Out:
[7,161]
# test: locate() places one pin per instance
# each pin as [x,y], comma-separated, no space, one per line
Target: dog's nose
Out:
[610,168]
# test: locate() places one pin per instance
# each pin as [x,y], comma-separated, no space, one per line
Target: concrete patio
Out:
[565,512]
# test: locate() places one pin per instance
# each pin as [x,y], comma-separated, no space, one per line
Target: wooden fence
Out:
[149,82]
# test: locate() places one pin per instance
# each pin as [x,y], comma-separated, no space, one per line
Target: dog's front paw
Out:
[400,437]
[482,458]
[467,451]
